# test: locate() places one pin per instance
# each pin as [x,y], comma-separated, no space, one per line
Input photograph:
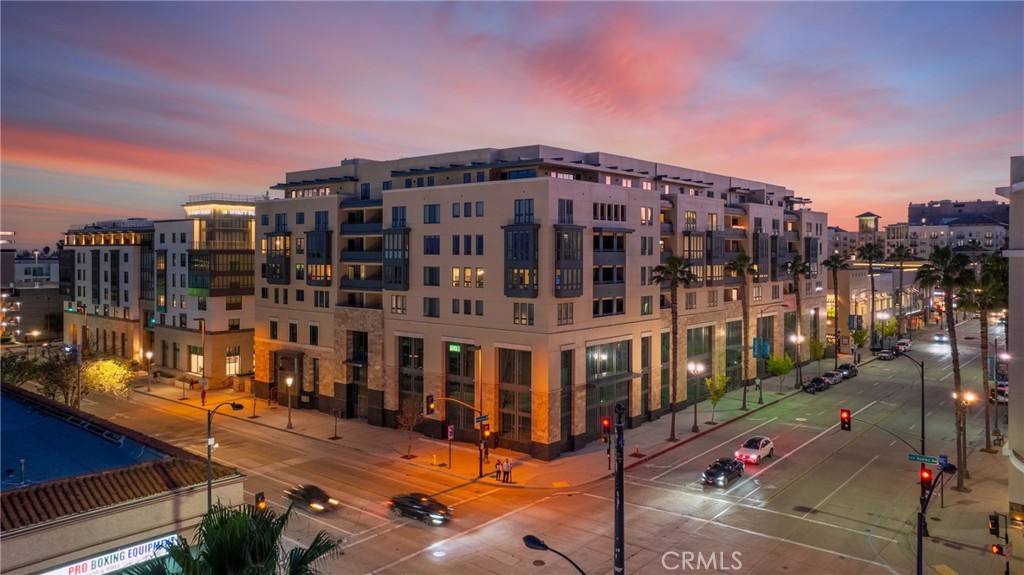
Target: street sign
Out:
[451,432]
[929,459]
[943,461]
[482,418]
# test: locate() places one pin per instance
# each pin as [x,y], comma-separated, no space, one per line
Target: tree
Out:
[990,291]
[410,414]
[741,267]
[888,328]
[871,253]
[900,254]
[950,273]
[859,337]
[716,385]
[58,375]
[243,541]
[675,271]
[18,369]
[816,348]
[834,263]
[799,269]
[780,367]
[110,375]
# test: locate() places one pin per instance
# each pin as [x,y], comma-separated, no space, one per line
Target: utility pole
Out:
[619,567]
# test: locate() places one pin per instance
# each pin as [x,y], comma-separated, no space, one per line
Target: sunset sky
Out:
[124,109]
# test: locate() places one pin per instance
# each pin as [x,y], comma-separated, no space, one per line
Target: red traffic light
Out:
[606,424]
[998,549]
[486,429]
[844,414]
[926,478]
[845,419]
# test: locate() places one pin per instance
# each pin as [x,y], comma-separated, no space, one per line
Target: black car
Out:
[420,506]
[848,370]
[722,471]
[312,496]
[816,384]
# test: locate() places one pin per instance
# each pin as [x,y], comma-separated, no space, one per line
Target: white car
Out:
[755,449]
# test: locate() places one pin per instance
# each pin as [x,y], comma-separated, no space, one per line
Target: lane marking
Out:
[841,485]
[705,452]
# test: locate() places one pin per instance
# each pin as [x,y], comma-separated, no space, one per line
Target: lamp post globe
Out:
[695,368]
[149,371]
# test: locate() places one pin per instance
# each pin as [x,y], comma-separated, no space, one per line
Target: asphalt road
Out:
[829,501]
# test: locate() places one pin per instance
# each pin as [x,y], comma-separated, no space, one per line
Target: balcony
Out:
[364,284]
[362,257]
[362,229]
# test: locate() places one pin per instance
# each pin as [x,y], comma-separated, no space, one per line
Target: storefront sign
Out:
[118,559]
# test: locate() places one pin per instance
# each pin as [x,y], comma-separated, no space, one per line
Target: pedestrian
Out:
[487,452]
[507,472]
[497,470]
[203,385]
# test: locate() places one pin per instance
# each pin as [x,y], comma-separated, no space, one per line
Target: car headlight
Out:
[332,501]
[317,506]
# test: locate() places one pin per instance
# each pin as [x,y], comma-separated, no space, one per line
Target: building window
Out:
[479,244]
[431,276]
[455,245]
[432,214]
[712,298]
[514,399]
[232,302]
[524,211]
[480,205]
[479,277]
[456,306]
[456,276]
[398,304]
[293,332]
[431,307]
[234,324]
[646,305]
[273,329]
[467,244]
[467,277]
[565,211]
[321,298]
[479,304]
[431,245]
[232,360]
[314,334]
[467,307]
[398,216]
[300,218]
[565,311]
[608,306]
[522,313]
[691,300]
[456,209]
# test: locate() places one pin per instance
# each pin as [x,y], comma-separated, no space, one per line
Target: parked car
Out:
[722,471]
[887,354]
[905,344]
[755,449]
[312,496]
[421,507]
[833,377]
[816,384]
[1000,394]
[941,337]
[848,370]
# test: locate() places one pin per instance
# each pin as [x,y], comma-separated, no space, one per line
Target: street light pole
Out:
[209,448]
[922,523]
[149,370]
[695,369]
[288,381]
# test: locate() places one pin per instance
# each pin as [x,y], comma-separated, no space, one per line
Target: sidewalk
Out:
[575,468]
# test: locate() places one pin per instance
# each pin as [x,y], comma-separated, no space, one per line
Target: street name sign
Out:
[484,418]
[929,459]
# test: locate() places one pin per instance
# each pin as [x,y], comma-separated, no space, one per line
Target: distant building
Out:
[939,212]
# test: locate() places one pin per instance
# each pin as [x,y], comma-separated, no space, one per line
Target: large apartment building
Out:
[204,275]
[109,289]
[517,284]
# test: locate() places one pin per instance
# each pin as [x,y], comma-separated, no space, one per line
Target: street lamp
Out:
[288,382]
[149,371]
[797,340]
[209,448]
[922,524]
[695,369]
[533,542]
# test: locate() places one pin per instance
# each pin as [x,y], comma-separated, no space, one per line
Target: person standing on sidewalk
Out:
[203,385]
[486,451]
[497,470]
[506,476]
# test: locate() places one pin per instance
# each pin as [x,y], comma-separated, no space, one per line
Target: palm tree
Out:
[836,262]
[871,253]
[743,266]
[675,271]
[990,291]
[951,273]
[900,254]
[799,268]
[240,540]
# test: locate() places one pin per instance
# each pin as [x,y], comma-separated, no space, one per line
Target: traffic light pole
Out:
[480,445]
[619,567]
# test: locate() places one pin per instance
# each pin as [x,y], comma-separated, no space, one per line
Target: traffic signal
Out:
[993,524]
[606,429]
[845,419]
[926,478]
[261,501]
[998,549]
[485,428]
[430,404]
